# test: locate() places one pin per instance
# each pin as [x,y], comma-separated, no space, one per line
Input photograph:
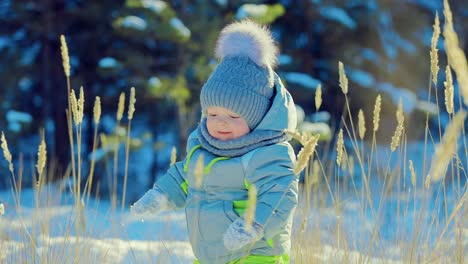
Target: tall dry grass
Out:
[433,238]
[432,203]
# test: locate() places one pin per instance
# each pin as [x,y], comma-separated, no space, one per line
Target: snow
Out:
[301,79]
[25,84]
[108,62]
[222,3]
[154,5]
[363,78]
[154,82]
[251,10]
[339,15]
[17,116]
[134,22]
[4,42]
[179,26]
[112,235]
[284,59]
[29,54]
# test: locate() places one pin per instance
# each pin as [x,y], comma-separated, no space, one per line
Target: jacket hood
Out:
[282,114]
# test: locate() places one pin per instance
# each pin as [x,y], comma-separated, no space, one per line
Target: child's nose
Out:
[222,120]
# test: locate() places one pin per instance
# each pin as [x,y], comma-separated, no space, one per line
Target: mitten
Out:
[152,202]
[237,236]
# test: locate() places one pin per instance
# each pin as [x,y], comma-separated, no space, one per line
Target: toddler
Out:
[241,137]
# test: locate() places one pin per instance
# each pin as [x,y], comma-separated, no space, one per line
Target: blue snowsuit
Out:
[221,198]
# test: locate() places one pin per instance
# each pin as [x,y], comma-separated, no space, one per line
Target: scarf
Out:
[238,146]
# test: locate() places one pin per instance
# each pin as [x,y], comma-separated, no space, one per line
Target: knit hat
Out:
[243,80]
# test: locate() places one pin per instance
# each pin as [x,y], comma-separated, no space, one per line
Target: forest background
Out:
[165,50]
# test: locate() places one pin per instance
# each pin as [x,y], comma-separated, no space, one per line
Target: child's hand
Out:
[237,236]
[152,202]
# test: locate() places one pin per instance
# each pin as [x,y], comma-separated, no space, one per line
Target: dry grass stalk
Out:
[305,153]
[251,207]
[131,110]
[121,106]
[74,106]
[343,79]
[433,52]
[427,183]
[173,156]
[302,137]
[7,154]
[339,148]
[97,110]
[361,124]
[97,117]
[104,141]
[449,90]
[81,105]
[41,157]
[318,97]
[2,209]
[315,172]
[456,56]
[446,148]
[131,104]
[351,165]
[413,174]
[399,129]
[65,57]
[377,108]
[199,171]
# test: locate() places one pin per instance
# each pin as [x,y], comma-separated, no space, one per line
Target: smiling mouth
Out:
[223,133]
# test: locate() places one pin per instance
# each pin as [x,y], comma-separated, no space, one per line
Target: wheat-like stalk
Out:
[65,57]
[199,171]
[2,209]
[315,172]
[318,97]
[41,157]
[433,52]
[305,153]
[446,148]
[7,154]
[427,182]
[399,129]
[456,56]
[377,107]
[361,124]
[131,110]
[103,139]
[74,107]
[173,156]
[413,173]
[97,117]
[339,148]
[131,103]
[351,165]
[301,137]
[251,207]
[448,90]
[121,106]
[97,110]
[343,79]
[80,105]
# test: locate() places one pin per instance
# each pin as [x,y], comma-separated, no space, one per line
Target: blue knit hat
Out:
[243,80]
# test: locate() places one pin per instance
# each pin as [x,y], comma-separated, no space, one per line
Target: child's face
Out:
[224,124]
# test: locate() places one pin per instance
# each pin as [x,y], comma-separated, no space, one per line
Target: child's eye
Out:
[234,117]
[212,115]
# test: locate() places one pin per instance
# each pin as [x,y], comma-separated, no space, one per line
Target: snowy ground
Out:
[112,236]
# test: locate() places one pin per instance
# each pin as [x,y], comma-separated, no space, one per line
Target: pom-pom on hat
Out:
[243,80]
